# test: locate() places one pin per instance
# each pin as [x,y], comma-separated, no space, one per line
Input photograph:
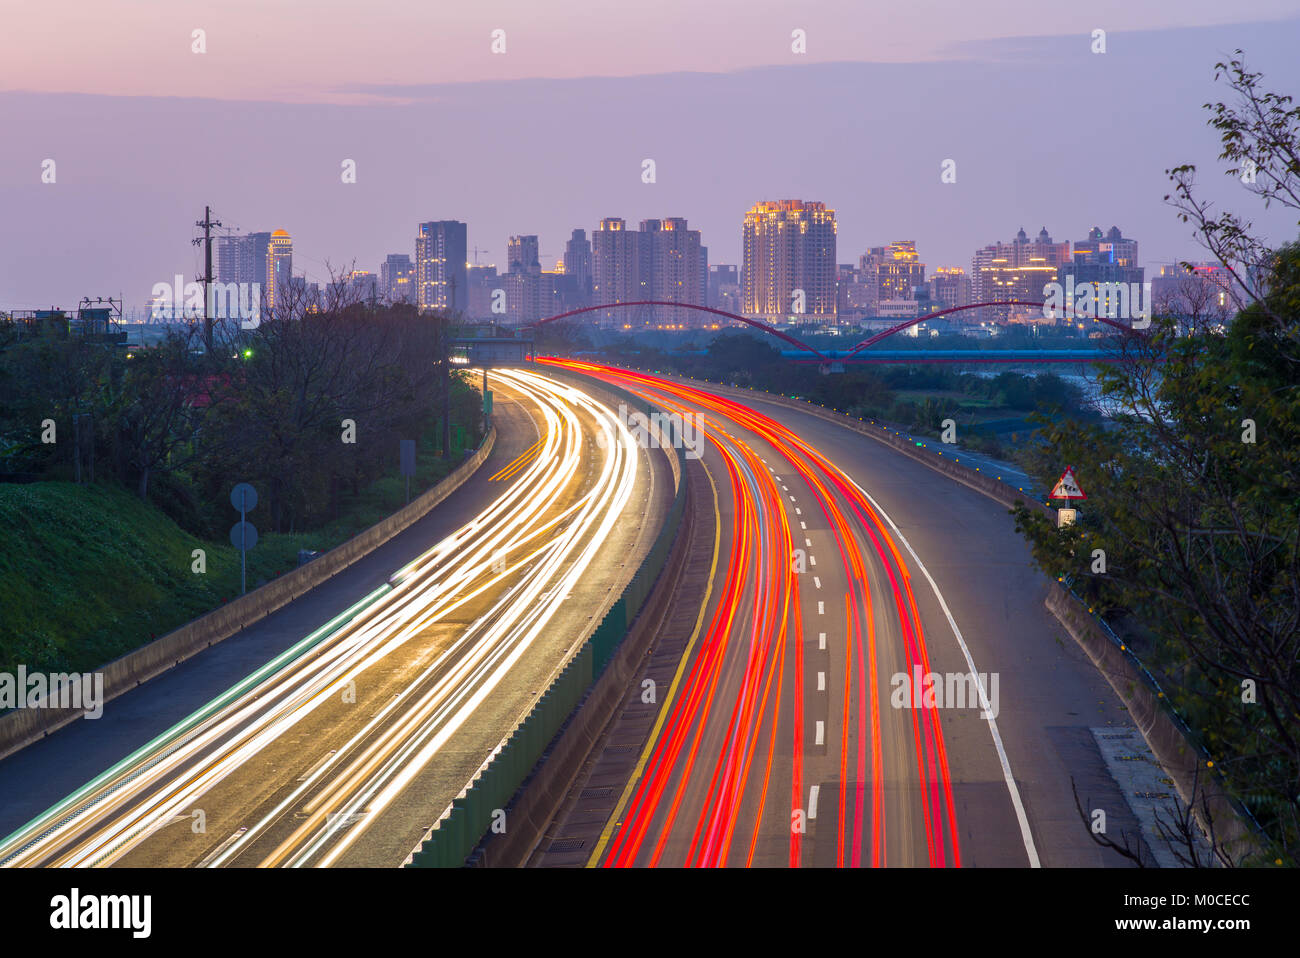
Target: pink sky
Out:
[323,49]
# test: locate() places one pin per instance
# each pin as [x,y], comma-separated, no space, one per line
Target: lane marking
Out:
[1026,836]
[821,610]
[812,559]
[821,640]
[608,830]
[821,681]
[820,738]
[817,582]
[812,801]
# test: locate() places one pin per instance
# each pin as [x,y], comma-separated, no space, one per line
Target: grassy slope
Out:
[88,573]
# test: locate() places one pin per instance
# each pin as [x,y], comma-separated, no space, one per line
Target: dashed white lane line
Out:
[803,526]
[821,608]
[812,560]
[812,800]
[820,737]
[1026,836]
[807,542]
[821,640]
[821,681]
[817,582]
[798,511]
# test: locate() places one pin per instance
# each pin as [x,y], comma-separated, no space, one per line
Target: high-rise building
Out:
[891,272]
[577,263]
[279,269]
[1106,259]
[949,287]
[789,247]
[615,265]
[441,270]
[522,256]
[673,267]
[1016,271]
[483,281]
[724,287]
[397,278]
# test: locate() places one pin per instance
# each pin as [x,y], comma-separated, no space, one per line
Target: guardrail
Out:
[21,727]
[471,814]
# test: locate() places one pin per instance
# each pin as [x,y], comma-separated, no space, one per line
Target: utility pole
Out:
[207,223]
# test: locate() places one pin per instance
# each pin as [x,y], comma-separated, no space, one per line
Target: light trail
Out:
[521,556]
[753,648]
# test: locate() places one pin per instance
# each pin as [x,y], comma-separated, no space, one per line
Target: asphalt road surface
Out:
[875,680]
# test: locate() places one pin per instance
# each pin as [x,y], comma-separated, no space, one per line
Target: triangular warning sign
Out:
[1067,487]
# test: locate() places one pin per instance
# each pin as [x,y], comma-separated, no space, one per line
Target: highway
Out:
[343,748]
[861,691]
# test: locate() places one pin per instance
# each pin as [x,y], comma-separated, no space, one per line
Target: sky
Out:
[551,134]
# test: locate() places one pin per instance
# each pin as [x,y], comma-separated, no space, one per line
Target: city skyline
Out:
[575,155]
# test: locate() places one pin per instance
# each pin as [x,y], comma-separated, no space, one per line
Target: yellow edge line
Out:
[517,462]
[608,832]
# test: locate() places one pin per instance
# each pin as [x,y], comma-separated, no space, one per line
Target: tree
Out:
[1193,486]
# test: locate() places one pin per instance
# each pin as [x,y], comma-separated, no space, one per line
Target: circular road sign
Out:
[243,535]
[248,494]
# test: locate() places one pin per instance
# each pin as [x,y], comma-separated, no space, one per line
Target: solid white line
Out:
[812,801]
[821,733]
[1025,835]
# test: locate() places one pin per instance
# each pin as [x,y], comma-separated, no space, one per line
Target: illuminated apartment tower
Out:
[1016,271]
[615,267]
[789,245]
[949,287]
[441,274]
[673,267]
[891,272]
[279,268]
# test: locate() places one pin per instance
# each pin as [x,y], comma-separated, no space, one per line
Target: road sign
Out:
[1066,517]
[407,449]
[243,535]
[1067,487]
[243,497]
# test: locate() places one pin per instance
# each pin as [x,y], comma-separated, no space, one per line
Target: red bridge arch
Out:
[787,338]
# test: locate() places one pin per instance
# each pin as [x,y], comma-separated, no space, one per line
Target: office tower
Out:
[397,278]
[279,269]
[441,276]
[1016,271]
[789,245]
[577,263]
[1106,259]
[232,255]
[521,255]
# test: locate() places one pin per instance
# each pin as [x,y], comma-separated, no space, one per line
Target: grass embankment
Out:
[89,573]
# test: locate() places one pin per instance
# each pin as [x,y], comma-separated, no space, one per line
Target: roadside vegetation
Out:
[98,527]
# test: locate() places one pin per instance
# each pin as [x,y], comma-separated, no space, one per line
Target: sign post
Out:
[406,448]
[1068,488]
[243,535]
